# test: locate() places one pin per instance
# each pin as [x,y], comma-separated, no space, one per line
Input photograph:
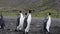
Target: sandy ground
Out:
[35,28]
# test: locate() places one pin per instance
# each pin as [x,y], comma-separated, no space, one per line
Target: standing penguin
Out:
[27,22]
[47,24]
[20,21]
[1,22]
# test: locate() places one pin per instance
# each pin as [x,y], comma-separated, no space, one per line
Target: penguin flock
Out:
[23,23]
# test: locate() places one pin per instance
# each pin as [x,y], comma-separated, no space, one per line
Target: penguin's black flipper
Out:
[3,24]
[25,25]
[18,20]
[17,23]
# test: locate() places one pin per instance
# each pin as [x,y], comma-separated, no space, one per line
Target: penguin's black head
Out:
[49,13]
[25,13]
[20,11]
[30,11]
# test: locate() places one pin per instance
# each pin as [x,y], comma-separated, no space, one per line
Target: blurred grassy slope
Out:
[40,7]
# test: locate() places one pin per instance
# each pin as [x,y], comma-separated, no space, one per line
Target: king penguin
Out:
[47,24]
[27,22]
[20,21]
[2,24]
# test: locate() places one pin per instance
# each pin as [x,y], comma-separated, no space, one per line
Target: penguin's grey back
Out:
[18,21]
[1,20]
[45,22]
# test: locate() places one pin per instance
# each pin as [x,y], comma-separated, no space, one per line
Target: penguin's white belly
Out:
[21,24]
[28,25]
[48,24]
[21,21]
